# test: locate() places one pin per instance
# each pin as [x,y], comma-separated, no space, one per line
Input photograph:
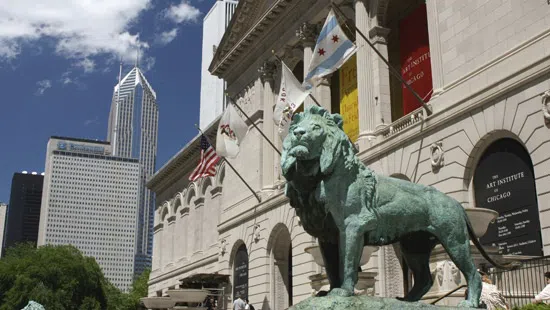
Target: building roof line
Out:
[80,140]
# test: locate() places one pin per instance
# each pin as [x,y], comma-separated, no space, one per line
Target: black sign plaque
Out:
[504,182]
[240,273]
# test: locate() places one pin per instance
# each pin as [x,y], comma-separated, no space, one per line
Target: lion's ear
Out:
[296,118]
[330,153]
[338,120]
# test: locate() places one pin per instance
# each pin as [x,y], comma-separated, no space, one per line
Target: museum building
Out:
[482,67]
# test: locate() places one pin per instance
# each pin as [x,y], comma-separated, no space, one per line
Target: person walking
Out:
[491,295]
[239,304]
[544,295]
[249,306]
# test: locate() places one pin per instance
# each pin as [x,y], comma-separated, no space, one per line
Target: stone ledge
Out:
[361,302]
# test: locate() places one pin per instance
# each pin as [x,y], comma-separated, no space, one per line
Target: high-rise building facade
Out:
[90,200]
[132,132]
[213,99]
[23,211]
[3,210]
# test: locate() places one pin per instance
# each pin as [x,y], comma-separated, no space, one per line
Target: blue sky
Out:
[59,63]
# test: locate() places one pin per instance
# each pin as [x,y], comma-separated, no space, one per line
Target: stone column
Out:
[322,93]
[365,91]
[435,48]
[267,71]
[307,33]
[381,77]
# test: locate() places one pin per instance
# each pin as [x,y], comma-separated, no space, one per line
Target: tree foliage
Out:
[60,277]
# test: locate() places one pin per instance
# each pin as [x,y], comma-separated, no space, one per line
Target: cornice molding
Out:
[213,258]
[274,201]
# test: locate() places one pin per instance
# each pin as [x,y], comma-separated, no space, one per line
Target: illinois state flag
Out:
[332,49]
[291,96]
[231,132]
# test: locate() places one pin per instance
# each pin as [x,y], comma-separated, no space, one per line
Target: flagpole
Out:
[253,124]
[392,69]
[229,164]
[309,94]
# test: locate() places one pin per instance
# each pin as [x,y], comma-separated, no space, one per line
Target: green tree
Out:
[139,290]
[58,277]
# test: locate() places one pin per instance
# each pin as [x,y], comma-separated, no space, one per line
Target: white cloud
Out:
[148,64]
[87,64]
[167,36]
[91,121]
[80,28]
[183,12]
[42,86]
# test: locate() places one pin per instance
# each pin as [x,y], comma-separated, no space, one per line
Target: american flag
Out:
[208,161]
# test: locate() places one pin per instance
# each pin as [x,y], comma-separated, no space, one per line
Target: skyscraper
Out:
[90,200]
[24,209]
[132,132]
[215,22]
[3,210]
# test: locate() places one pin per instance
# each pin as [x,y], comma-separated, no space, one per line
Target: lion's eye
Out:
[316,127]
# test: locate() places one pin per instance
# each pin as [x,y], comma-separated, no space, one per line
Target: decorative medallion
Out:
[438,155]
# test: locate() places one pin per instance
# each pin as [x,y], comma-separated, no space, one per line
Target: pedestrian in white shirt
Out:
[239,304]
[544,295]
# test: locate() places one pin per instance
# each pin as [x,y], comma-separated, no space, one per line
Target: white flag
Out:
[231,132]
[332,49]
[291,97]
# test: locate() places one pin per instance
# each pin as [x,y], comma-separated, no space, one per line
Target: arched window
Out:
[240,273]
[280,247]
[504,181]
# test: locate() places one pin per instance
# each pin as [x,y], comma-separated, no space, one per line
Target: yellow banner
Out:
[348,98]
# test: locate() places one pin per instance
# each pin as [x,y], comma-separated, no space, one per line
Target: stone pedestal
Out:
[361,302]
[447,276]
[364,287]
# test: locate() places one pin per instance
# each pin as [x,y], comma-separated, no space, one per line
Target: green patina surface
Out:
[346,205]
[361,302]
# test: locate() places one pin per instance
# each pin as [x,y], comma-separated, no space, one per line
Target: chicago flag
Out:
[231,132]
[331,51]
[291,97]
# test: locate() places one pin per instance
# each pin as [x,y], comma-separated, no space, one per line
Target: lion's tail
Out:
[507,266]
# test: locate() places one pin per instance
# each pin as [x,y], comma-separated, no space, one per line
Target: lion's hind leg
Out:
[416,249]
[458,249]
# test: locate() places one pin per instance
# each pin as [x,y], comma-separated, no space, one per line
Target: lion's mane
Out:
[307,193]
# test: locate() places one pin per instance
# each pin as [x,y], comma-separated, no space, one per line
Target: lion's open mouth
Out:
[299,151]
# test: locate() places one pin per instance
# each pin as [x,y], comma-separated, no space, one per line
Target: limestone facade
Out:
[489,65]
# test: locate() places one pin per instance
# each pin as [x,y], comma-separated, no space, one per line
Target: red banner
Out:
[416,67]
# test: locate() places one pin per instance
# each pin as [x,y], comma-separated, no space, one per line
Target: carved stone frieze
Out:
[546,106]
[267,71]
[223,247]
[437,155]
[447,274]
[307,33]
[246,97]
[256,233]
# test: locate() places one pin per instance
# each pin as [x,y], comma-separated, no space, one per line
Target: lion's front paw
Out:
[467,304]
[340,292]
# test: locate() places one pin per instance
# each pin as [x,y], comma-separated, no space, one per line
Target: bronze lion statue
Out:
[346,206]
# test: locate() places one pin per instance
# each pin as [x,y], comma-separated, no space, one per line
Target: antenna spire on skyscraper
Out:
[137,57]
